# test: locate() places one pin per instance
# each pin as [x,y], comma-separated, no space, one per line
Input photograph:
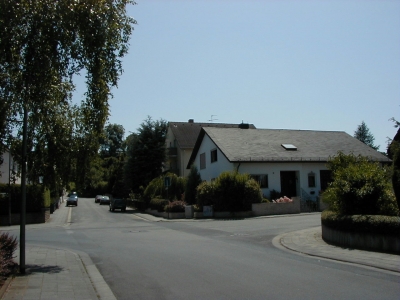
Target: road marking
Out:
[69,216]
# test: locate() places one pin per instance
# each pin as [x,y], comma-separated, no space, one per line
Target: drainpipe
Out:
[238,166]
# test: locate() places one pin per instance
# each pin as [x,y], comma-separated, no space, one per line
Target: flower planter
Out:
[266,209]
[176,215]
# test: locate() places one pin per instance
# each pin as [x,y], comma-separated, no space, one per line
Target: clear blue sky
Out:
[318,65]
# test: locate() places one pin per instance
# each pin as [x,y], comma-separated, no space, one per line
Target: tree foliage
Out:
[146,154]
[364,135]
[43,44]
[193,181]
[359,186]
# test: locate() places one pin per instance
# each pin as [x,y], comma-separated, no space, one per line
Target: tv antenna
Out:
[212,118]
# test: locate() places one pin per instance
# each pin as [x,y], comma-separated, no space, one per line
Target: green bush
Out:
[193,181]
[156,188]
[158,204]
[35,198]
[8,245]
[359,186]
[231,191]
[205,194]
[235,192]
[175,206]
[379,224]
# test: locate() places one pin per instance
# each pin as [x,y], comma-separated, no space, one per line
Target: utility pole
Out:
[23,190]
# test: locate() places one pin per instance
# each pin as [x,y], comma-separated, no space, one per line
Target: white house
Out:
[292,162]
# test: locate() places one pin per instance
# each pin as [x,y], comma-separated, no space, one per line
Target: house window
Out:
[261,179]
[311,180]
[214,157]
[202,161]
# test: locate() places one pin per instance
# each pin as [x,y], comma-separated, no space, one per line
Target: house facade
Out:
[291,162]
[180,141]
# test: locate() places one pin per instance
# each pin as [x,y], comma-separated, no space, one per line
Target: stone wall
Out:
[364,241]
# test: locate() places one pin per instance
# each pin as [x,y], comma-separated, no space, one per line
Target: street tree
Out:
[146,154]
[44,44]
[364,135]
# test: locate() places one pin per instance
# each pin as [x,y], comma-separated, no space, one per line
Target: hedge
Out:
[378,224]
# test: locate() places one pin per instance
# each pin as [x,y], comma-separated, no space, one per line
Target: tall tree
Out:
[364,135]
[146,154]
[43,44]
[112,141]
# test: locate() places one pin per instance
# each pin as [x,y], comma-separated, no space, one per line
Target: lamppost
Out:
[23,192]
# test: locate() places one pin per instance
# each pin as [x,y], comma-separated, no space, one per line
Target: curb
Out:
[5,286]
[278,243]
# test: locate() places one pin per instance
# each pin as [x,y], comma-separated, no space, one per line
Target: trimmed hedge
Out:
[378,224]
[158,204]
[36,199]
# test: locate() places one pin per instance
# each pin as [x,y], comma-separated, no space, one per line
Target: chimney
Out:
[244,125]
[191,121]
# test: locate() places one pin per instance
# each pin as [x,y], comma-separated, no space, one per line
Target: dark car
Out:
[104,200]
[97,198]
[118,204]
[72,200]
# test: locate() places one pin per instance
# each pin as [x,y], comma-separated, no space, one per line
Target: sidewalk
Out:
[53,273]
[310,242]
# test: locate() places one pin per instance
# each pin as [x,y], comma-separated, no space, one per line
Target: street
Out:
[206,259]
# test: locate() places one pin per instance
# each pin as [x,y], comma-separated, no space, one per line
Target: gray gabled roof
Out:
[186,133]
[258,145]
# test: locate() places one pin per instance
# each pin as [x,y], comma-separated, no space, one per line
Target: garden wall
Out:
[31,218]
[266,209]
[365,241]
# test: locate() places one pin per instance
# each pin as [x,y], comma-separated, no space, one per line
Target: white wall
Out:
[212,170]
[273,171]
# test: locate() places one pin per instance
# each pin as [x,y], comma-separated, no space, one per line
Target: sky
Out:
[307,65]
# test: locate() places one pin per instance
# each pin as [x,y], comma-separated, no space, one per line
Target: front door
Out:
[288,183]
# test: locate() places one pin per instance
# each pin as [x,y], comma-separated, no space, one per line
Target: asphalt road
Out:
[217,259]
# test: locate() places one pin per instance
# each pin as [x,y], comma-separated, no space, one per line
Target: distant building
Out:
[8,164]
[180,141]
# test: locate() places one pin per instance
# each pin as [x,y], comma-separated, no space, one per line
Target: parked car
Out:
[118,204]
[97,198]
[72,200]
[104,200]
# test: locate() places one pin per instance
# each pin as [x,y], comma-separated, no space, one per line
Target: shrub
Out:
[175,206]
[379,224]
[158,204]
[205,194]
[275,194]
[8,245]
[156,188]
[359,186]
[235,192]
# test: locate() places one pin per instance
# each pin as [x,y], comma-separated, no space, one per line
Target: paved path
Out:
[310,242]
[53,273]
